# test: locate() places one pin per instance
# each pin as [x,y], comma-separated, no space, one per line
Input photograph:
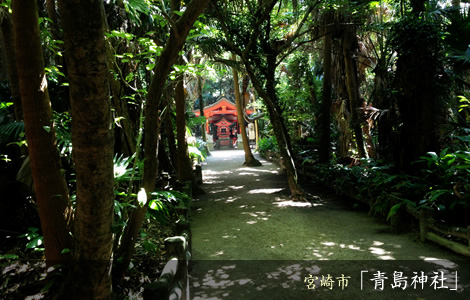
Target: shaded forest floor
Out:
[250,241]
[25,278]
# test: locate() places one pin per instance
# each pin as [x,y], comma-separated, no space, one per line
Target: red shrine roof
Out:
[221,107]
[222,123]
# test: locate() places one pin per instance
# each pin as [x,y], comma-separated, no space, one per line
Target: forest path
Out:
[250,241]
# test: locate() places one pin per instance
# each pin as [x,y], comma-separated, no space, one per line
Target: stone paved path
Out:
[250,241]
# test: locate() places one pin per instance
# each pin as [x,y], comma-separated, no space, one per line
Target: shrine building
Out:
[222,123]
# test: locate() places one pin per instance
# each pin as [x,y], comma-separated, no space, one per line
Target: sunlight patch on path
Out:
[229,199]
[249,174]
[253,170]
[291,203]
[381,253]
[439,261]
[216,173]
[265,191]
[234,187]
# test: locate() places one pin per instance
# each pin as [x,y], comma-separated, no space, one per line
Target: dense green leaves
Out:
[285,51]
[164,203]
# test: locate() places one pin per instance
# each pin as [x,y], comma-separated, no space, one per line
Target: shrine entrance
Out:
[222,124]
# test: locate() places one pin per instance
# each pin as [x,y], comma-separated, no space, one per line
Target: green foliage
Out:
[188,68]
[442,184]
[137,10]
[160,206]
[197,149]
[35,241]
[309,155]
[194,121]
[123,171]
[458,53]
[370,181]
[298,88]
[53,75]
[163,204]
[5,158]
[195,153]
[464,104]
[412,33]
[267,144]
[9,256]
[53,47]
[6,4]
[141,60]
[148,244]
[11,132]
[126,171]
[447,178]
[5,105]
[419,42]
[63,128]
[121,212]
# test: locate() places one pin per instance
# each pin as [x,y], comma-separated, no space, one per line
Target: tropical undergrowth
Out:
[441,183]
[22,248]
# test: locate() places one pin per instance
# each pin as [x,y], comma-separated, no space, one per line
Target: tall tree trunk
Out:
[285,148]
[163,158]
[168,57]
[201,106]
[168,125]
[325,114]
[268,94]
[185,169]
[8,46]
[250,160]
[340,110]
[383,102]
[93,143]
[49,183]
[52,14]
[353,92]
[420,82]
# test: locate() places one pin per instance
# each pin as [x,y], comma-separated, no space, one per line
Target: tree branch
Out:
[172,24]
[291,50]
[291,39]
[257,26]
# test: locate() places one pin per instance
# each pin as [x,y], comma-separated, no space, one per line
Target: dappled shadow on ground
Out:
[246,227]
[329,280]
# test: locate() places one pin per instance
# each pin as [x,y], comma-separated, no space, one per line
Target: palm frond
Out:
[11,132]
[211,47]
[123,168]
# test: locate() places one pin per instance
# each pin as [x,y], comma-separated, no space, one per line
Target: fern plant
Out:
[11,132]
